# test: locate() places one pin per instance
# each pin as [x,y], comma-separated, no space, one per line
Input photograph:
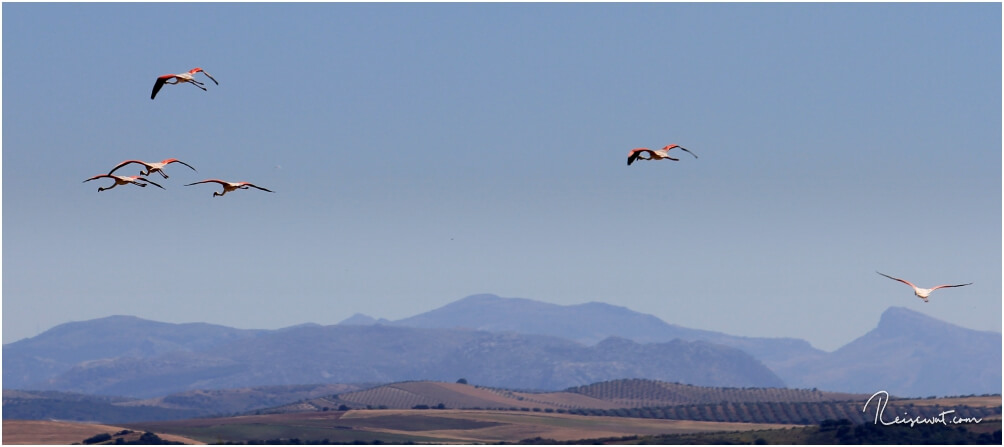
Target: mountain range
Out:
[586,323]
[352,354]
[502,342]
[908,353]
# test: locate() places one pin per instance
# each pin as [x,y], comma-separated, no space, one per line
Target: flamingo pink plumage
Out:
[180,78]
[661,154]
[922,293]
[121,180]
[229,186]
[152,167]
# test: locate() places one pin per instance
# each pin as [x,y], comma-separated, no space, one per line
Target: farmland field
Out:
[63,433]
[972,401]
[398,426]
[406,395]
[441,412]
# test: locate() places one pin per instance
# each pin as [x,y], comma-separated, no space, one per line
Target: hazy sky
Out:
[421,153]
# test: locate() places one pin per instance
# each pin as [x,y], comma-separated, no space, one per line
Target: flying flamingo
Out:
[179,78]
[152,167]
[635,154]
[229,186]
[120,180]
[922,293]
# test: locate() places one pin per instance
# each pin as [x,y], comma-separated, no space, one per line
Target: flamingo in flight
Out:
[661,154]
[921,293]
[121,180]
[152,167]
[179,78]
[229,186]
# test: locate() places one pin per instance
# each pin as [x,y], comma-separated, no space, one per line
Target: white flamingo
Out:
[229,186]
[121,180]
[921,293]
[661,154]
[180,78]
[152,167]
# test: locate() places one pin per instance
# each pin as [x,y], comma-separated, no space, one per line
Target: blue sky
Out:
[421,153]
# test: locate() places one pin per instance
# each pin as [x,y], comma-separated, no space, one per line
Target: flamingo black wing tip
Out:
[887,276]
[688,151]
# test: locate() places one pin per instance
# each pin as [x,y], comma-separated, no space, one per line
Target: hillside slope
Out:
[58,405]
[407,395]
[32,360]
[908,354]
[355,354]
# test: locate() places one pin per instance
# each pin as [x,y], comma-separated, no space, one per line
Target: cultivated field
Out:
[442,412]
[970,401]
[496,426]
[65,433]
[636,393]
[631,393]
[406,395]
[439,426]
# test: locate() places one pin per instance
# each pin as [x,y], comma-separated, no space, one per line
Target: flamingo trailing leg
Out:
[229,186]
[644,153]
[174,79]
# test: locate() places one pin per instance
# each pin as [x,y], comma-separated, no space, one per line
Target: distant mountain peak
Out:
[909,354]
[614,341]
[480,297]
[362,320]
[902,315]
[299,326]
[358,320]
[901,320]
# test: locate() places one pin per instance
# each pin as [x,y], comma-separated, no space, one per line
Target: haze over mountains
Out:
[908,352]
[587,323]
[350,354]
[503,342]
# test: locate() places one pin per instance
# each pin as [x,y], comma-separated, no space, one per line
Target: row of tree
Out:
[791,412]
[638,392]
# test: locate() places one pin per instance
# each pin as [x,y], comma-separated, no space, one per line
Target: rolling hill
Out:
[58,405]
[408,395]
[67,433]
[608,395]
[427,426]
[635,398]
[636,393]
[651,399]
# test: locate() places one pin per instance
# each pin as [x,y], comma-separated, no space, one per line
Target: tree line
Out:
[803,413]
